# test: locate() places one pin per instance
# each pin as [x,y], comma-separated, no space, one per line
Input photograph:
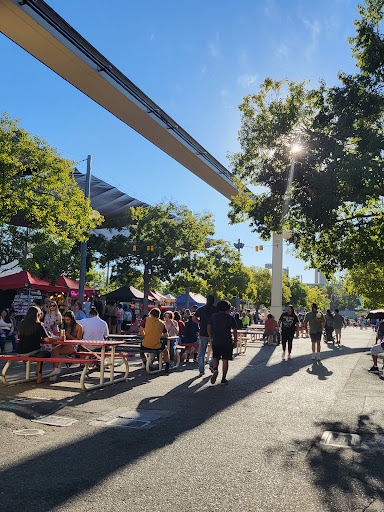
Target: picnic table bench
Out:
[99,360]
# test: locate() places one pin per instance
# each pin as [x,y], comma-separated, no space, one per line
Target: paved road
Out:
[251,446]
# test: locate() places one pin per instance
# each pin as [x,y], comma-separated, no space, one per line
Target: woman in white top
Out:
[53,319]
[6,330]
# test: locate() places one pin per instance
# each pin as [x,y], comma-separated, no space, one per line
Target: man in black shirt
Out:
[202,316]
[220,326]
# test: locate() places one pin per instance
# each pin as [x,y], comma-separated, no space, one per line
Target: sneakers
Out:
[214,376]
[283,355]
[54,372]
[201,374]
[289,356]
[313,355]
[374,369]
[318,356]
[224,382]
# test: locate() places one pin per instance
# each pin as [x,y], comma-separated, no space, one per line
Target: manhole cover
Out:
[131,419]
[29,432]
[128,422]
[340,439]
[55,421]
[31,408]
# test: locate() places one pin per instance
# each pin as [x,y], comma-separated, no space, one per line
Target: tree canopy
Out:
[38,191]
[317,154]
[159,242]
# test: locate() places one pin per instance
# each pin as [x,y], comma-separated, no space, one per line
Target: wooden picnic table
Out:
[94,348]
[97,349]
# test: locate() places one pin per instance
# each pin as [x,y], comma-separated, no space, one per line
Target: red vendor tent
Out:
[24,279]
[70,284]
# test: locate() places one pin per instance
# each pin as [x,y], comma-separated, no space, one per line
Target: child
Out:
[219,330]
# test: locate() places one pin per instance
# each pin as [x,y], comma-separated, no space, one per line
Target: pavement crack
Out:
[369,504]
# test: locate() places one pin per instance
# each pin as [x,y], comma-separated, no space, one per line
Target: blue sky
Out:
[197,60]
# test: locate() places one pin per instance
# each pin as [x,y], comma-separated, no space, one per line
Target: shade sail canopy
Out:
[105,198]
[125,294]
[24,279]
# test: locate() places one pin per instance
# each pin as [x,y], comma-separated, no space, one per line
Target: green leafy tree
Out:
[348,301]
[38,190]
[317,295]
[261,281]
[260,293]
[159,242]
[333,294]
[223,271]
[328,194]
[366,281]
[189,278]
[299,293]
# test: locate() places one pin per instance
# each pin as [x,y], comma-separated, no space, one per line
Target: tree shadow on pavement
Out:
[347,478]
[46,480]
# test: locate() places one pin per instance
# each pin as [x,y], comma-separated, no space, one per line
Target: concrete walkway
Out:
[251,446]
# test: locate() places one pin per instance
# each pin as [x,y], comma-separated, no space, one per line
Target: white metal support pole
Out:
[277,275]
[83,261]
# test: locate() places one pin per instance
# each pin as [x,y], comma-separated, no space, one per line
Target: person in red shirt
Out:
[270,328]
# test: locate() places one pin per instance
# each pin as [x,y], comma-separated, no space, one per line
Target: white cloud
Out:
[269,7]
[314,29]
[245,81]
[282,51]
[214,46]
[243,58]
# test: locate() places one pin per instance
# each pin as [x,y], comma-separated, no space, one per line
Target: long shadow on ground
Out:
[49,479]
[349,479]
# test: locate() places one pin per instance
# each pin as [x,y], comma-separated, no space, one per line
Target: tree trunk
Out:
[147,277]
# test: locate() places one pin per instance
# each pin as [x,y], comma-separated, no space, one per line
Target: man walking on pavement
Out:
[201,316]
[220,326]
[316,323]
[338,322]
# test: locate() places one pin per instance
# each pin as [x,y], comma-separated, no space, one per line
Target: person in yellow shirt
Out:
[155,336]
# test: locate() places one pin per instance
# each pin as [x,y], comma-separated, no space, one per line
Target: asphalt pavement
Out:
[178,443]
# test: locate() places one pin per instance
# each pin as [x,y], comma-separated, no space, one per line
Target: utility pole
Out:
[107,279]
[83,260]
[238,246]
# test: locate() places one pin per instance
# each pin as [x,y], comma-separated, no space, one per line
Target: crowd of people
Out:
[195,329]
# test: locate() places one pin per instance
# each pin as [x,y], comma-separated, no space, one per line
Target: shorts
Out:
[222,352]
[315,336]
[377,349]
[160,349]
[337,331]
